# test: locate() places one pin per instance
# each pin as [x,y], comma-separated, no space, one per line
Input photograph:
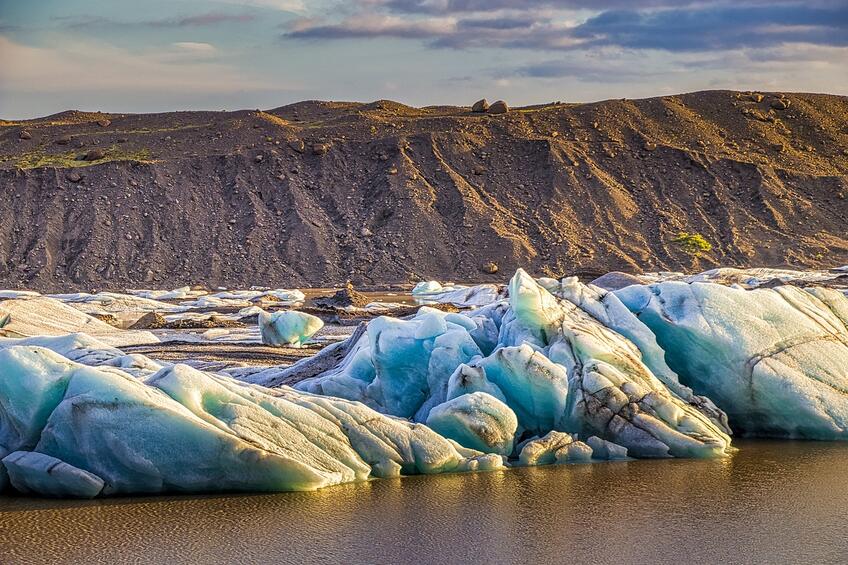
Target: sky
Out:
[164,55]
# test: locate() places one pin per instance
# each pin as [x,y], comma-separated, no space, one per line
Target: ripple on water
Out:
[771,502]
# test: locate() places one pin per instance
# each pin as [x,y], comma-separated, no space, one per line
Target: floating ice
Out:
[181,293]
[288,327]
[46,316]
[551,362]
[65,427]
[17,294]
[776,360]
[113,303]
[755,277]
[460,296]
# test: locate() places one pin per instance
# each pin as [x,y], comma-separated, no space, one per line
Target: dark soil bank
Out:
[314,193]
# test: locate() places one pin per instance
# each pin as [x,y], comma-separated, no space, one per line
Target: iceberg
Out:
[288,327]
[68,429]
[553,364]
[775,360]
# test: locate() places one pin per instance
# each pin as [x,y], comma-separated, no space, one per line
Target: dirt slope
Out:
[318,192]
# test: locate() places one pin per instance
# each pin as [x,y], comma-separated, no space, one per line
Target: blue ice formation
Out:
[549,360]
[288,327]
[69,429]
[560,372]
[775,360]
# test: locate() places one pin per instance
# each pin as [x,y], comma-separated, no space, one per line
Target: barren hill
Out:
[315,193]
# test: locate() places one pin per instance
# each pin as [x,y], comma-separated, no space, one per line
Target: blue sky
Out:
[155,55]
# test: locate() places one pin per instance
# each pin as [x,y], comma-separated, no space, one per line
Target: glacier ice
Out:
[554,447]
[550,371]
[288,327]
[433,292]
[477,420]
[31,472]
[72,426]
[776,360]
[552,363]
[603,449]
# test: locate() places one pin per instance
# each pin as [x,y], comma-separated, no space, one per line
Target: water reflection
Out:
[770,502]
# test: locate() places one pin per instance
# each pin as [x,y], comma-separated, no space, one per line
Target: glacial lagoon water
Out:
[771,502]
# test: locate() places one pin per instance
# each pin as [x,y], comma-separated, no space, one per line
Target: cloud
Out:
[195,47]
[722,27]
[195,20]
[372,25]
[655,25]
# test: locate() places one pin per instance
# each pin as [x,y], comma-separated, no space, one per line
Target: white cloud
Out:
[194,47]
[283,5]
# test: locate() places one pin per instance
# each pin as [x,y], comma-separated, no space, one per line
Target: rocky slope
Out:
[315,193]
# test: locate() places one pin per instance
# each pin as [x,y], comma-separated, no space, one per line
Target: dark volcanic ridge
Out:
[316,193]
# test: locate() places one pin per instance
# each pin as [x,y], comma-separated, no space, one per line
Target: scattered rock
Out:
[479,169]
[73,177]
[780,103]
[150,321]
[499,107]
[490,268]
[480,106]
[755,97]
[258,159]
[649,146]
[616,280]
[347,296]
[104,123]
[777,147]
[94,155]
[320,148]
[24,134]
[63,140]
[365,232]
[296,145]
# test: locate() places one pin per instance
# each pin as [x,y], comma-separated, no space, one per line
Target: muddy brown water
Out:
[772,502]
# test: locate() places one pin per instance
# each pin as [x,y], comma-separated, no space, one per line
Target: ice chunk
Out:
[479,295]
[45,316]
[603,449]
[554,447]
[184,430]
[611,392]
[752,278]
[477,420]
[288,327]
[534,387]
[32,383]
[17,294]
[472,378]
[45,475]
[605,307]
[774,359]
[425,287]
[181,293]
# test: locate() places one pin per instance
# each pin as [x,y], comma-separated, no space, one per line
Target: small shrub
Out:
[692,243]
